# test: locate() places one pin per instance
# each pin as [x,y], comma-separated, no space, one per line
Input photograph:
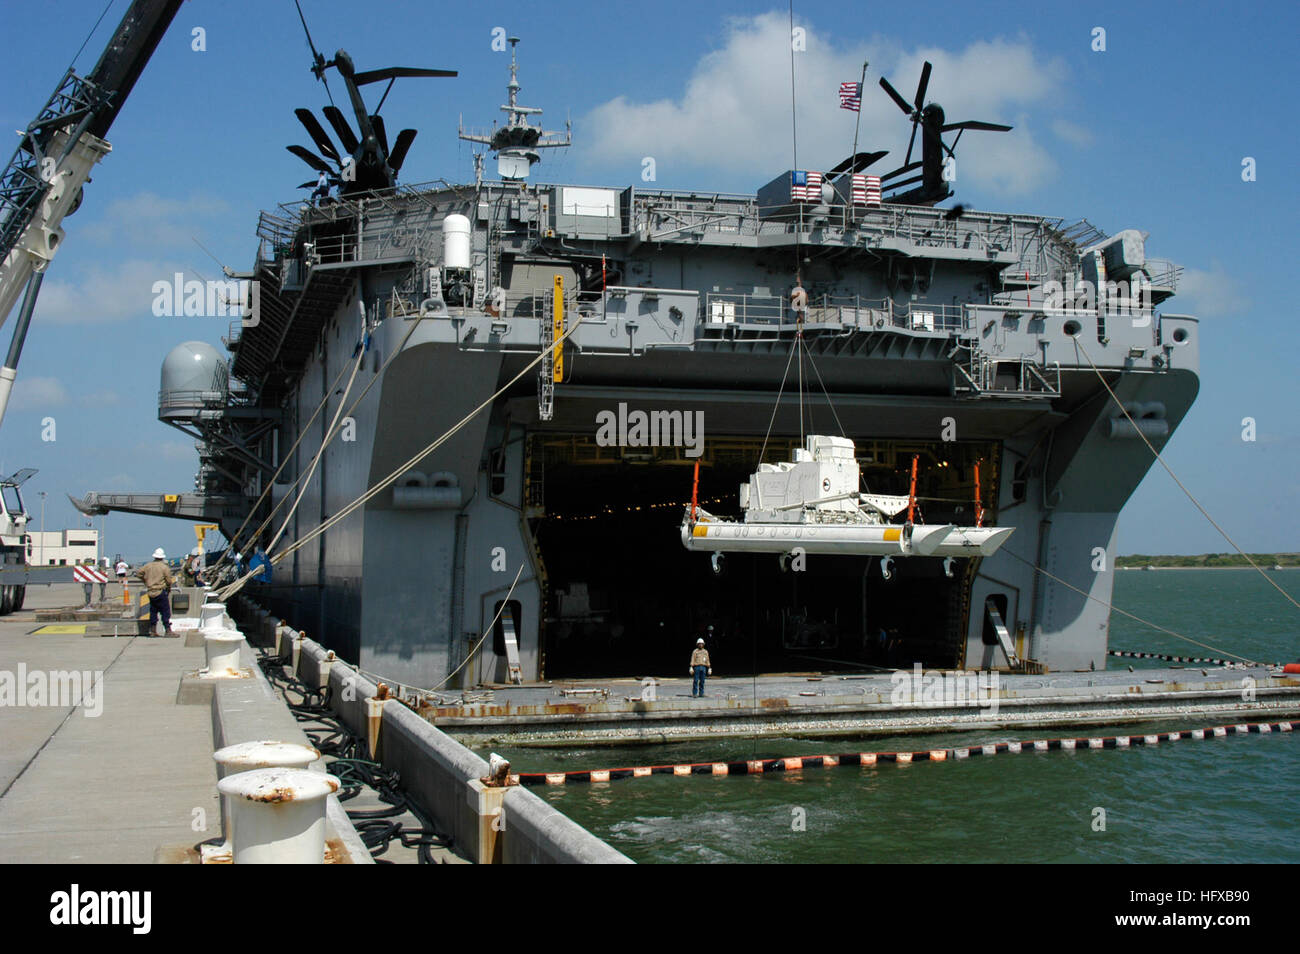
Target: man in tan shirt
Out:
[700,667]
[158,581]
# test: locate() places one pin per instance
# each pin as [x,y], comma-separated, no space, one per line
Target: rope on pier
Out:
[864,759]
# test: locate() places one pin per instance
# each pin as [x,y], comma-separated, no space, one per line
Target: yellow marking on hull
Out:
[893,535]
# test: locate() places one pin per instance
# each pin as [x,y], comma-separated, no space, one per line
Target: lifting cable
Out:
[385,482]
[271,483]
[1197,503]
[491,626]
[330,432]
[797,345]
[305,429]
[1115,609]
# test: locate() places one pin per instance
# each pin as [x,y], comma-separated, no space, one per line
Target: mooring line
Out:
[798,763]
[1115,609]
[1151,447]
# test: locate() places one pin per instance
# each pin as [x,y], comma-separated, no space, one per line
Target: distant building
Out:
[62,547]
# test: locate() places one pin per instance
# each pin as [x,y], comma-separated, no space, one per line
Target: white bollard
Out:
[212,616]
[247,756]
[278,815]
[222,648]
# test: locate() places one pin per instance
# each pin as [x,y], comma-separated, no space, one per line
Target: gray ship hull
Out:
[410,584]
[925,335]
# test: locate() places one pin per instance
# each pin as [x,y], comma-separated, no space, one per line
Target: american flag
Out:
[866,190]
[805,186]
[851,96]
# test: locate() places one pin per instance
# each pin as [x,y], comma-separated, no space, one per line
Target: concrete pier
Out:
[612,712]
[101,788]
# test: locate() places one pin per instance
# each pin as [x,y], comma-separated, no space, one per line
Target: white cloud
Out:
[734,112]
[169,450]
[102,398]
[1211,293]
[37,393]
[150,220]
[1072,133]
[103,293]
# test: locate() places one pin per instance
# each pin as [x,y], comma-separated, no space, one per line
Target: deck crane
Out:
[40,186]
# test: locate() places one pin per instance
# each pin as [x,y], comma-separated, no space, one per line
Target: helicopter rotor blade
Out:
[317,134]
[318,63]
[896,96]
[341,128]
[911,142]
[377,122]
[393,72]
[400,148]
[922,86]
[911,166]
[309,157]
[976,124]
[905,182]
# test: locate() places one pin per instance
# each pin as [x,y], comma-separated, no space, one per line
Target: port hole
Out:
[1072,328]
[1180,335]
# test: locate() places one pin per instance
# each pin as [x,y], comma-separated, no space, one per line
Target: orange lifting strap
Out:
[911,494]
[695,490]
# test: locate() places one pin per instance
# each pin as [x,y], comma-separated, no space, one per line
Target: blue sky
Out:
[1148,134]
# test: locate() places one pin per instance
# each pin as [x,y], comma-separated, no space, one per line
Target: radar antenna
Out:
[516,143]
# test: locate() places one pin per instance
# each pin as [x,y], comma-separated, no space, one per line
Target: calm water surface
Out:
[1226,800]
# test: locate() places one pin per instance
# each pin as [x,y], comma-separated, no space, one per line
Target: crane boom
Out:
[42,182]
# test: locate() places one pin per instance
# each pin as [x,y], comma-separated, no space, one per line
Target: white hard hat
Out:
[159,555]
[699,642]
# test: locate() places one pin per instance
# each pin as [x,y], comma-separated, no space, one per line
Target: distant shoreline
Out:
[1269,567]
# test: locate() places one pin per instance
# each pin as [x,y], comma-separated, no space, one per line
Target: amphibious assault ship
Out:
[954,337]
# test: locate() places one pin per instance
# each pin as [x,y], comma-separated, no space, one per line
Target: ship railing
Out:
[727,308]
[867,314]
[1163,273]
[1020,375]
[929,317]
[171,399]
[665,217]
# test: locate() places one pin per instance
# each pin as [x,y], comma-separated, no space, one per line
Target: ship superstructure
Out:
[957,337]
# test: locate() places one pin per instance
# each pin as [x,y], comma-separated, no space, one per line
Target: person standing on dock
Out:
[701,666]
[158,581]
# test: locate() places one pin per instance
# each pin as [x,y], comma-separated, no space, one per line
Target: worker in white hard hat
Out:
[701,666]
[158,581]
